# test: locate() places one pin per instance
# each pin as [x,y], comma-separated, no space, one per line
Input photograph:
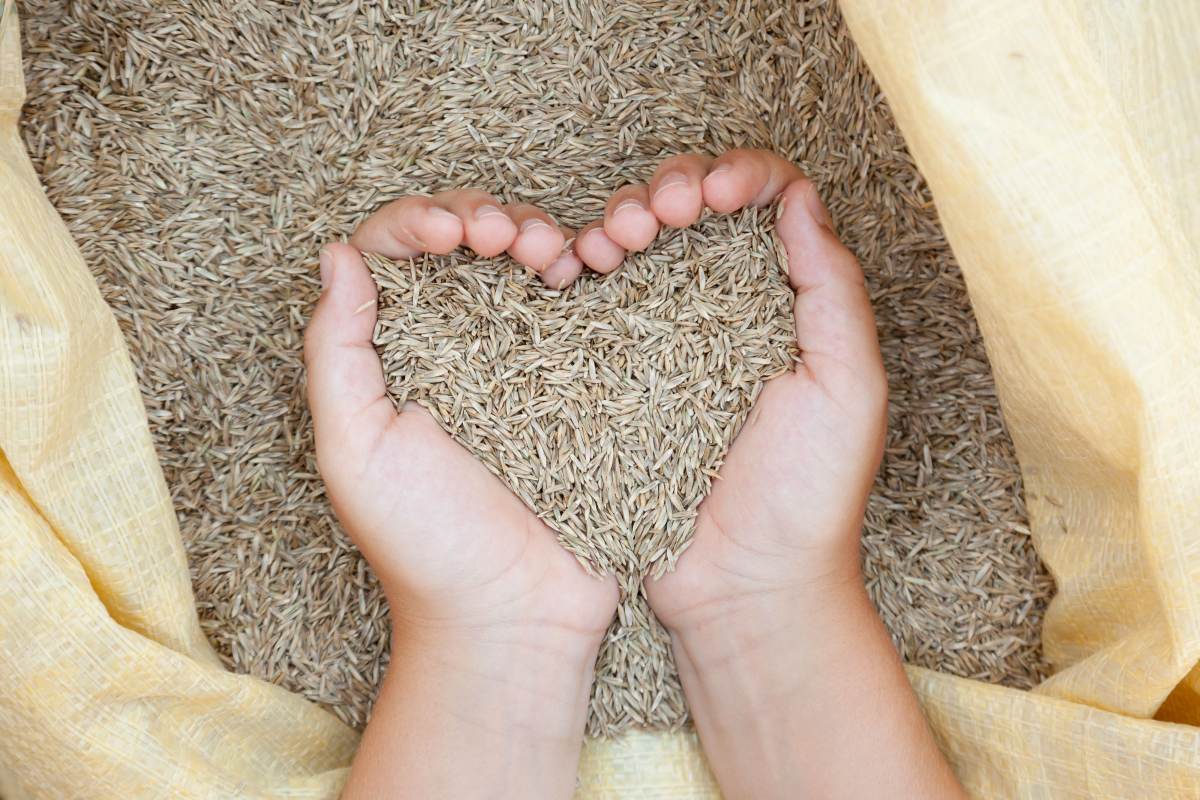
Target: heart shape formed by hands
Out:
[607,407]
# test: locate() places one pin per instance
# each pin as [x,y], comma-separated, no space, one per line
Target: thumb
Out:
[835,325]
[346,389]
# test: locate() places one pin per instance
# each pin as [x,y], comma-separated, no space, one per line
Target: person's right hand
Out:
[791,679]
[786,512]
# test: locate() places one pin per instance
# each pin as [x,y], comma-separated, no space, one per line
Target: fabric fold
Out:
[1058,139]
[108,687]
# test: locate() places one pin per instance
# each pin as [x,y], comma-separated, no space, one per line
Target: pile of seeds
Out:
[201,151]
[607,407]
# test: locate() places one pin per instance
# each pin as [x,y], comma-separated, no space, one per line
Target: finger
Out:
[344,376]
[676,197]
[628,220]
[563,271]
[835,326]
[487,228]
[408,227]
[742,178]
[539,240]
[596,250]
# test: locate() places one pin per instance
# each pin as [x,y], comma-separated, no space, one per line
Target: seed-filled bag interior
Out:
[606,407]
[200,154]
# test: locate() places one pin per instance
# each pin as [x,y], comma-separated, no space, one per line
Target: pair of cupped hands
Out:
[477,584]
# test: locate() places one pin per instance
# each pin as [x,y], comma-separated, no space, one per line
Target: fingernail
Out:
[626,205]
[533,224]
[671,180]
[720,169]
[326,267]
[488,211]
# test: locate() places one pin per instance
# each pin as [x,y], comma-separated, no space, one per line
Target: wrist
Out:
[488,647]
[750,652]
[567,622]
[787,691]
[510,700]
[516,681]
[757,677]
[744,617]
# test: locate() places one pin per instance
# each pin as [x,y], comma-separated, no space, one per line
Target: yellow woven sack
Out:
[1059,141]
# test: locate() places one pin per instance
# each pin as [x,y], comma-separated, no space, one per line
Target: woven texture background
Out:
[1057,141]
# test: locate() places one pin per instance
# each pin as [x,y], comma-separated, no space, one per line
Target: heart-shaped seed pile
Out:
[607,407]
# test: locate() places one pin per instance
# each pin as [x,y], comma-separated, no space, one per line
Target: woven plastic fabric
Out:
[1059,141]
[107,685]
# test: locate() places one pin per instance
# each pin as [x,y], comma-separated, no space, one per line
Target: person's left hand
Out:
[449,542]
[495,626]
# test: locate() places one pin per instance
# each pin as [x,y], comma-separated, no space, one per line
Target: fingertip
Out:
[407,227]
[746,177]
[340,251]
[628,220]
[597,251]
[678,202]
[537,244]
[348,289]
[563,271]
[341,263]
[343,371]
[491,232]
[792,207]
[721,190]
[676,196]
[835,324]
[814,249]
[440,230]
[802,202]
[631,225]
[488,230]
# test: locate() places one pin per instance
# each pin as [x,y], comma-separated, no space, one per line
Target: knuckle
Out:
[681,161]
[473,196]
[405,205]
[526,210]
[802,186]
[314,336]
[845,263]
[451,197]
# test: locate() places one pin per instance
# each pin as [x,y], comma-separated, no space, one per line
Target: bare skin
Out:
[792,681]
[496,627]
